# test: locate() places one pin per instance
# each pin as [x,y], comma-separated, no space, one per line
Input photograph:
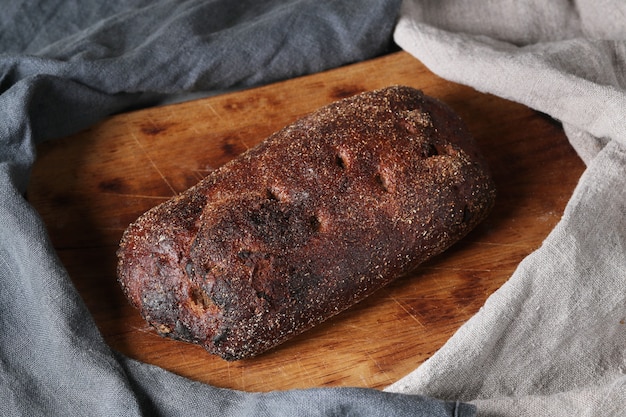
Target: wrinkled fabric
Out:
[552,340]
[65,65]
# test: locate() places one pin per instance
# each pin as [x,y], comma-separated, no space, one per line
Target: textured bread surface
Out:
[312,220]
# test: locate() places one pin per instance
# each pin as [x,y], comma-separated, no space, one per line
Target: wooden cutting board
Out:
[90,186]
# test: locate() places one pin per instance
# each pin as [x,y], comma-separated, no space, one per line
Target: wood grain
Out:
[90,186]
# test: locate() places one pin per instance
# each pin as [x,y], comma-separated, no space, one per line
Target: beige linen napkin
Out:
[552,340]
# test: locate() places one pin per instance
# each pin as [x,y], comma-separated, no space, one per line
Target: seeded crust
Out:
[306,224]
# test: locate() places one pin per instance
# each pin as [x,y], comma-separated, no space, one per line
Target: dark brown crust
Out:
[315,218]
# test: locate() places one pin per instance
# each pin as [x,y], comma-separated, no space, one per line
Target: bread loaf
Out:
[312,220]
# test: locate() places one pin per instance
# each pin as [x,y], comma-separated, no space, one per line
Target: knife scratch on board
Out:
[145,153]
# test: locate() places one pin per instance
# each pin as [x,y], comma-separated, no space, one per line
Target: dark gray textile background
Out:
[66,64]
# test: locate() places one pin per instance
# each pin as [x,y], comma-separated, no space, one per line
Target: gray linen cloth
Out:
[65,65]
[552,340]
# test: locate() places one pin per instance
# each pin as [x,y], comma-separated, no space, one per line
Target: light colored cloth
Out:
[552,340]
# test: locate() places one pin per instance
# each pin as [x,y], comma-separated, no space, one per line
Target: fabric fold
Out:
[552,340]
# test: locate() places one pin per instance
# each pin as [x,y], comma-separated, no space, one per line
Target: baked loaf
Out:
[309,222]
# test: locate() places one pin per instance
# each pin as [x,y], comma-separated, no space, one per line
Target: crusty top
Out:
[309,222]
